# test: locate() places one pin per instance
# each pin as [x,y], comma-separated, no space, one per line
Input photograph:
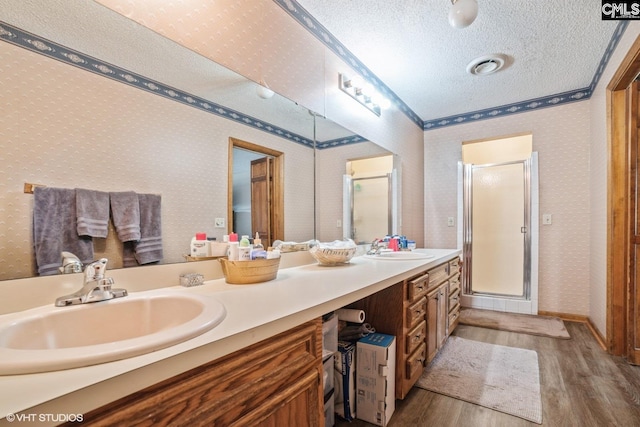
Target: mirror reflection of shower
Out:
[370,199]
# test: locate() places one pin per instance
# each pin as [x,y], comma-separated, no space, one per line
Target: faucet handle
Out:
[96,269]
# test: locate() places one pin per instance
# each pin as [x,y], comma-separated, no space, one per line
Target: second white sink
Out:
[400,255]
[53,338]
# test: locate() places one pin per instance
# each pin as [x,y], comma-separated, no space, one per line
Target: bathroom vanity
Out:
[421,312]
[262,363]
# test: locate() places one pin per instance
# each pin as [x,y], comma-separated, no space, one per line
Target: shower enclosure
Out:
[500,235]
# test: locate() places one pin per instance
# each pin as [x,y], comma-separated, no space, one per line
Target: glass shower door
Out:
[497,224]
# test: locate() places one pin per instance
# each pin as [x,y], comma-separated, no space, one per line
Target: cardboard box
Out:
[375,378]
[345,380]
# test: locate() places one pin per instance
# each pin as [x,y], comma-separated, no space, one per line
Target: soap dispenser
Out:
[258,251]
[244,253]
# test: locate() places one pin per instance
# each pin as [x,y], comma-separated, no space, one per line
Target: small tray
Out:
[248,272]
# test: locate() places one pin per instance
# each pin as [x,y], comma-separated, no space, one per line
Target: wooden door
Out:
[633,99]
[261,191]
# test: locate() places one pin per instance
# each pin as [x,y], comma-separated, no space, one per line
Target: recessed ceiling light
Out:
[486,65]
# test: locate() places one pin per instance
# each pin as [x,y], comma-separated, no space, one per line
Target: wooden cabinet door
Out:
[276,382]
[432,324]
[293,406]
[443,314]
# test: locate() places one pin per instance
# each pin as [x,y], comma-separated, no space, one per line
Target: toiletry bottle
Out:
[244,252]
[258,251]
[234,251]
[199,245]
[273,253]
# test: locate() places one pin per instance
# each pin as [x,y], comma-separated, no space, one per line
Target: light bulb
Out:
[463,13]
[263,90]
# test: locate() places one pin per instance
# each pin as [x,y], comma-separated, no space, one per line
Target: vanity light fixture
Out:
[363,92]
[263,90]
[462,13]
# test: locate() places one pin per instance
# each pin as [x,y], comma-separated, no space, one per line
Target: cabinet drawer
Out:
[416,311]
[453,318]
[415,363]
[438,275]
[416,336]
[417,288]
[454,283]
[454,299]
[454,266]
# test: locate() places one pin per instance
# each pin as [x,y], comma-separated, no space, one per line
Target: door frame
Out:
[277,200]
[619,262]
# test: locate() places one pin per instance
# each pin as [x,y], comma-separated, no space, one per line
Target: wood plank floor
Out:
[581,386]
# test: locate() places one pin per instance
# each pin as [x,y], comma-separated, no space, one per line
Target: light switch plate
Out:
[451,221]
[219,222]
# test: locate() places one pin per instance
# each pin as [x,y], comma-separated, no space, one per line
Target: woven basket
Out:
[247,272]
[328,256]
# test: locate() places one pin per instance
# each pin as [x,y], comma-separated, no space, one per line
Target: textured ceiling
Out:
[555,46]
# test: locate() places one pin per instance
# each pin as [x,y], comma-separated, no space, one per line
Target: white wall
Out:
[561,137]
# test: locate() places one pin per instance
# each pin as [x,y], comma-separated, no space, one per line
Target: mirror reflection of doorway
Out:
[369,198]
[371,208]
[256,193]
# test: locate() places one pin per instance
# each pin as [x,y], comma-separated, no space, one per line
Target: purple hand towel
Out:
[149,248]
[54,229]
[92,211]
[125,211]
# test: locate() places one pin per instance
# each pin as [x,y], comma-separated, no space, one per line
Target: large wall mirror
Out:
[93,100]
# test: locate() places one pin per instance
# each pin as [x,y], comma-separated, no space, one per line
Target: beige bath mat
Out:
[504,379]
[523,323]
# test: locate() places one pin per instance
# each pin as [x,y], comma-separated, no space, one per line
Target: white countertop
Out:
[254,312]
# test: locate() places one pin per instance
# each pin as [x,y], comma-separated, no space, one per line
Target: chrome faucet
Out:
[376,246]
[70,264]
[96,287]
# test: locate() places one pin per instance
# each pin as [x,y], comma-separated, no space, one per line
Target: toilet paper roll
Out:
[349,315]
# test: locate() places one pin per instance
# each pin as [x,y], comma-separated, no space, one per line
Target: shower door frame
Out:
[527,303]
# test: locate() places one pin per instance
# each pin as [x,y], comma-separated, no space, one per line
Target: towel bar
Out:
[28,188]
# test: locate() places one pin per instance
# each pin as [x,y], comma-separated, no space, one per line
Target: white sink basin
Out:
[52,338]
[401,255]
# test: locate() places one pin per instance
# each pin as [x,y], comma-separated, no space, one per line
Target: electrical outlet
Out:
[547,219]
[219,223]
[451,221]
[339,223]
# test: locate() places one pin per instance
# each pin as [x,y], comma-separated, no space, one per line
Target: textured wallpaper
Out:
[561,138]
[65,127]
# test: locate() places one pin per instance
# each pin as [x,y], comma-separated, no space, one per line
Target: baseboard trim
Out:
[582,319]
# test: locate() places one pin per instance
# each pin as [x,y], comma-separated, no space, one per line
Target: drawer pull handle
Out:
[417,337]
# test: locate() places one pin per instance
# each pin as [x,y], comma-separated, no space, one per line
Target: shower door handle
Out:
[523,230]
